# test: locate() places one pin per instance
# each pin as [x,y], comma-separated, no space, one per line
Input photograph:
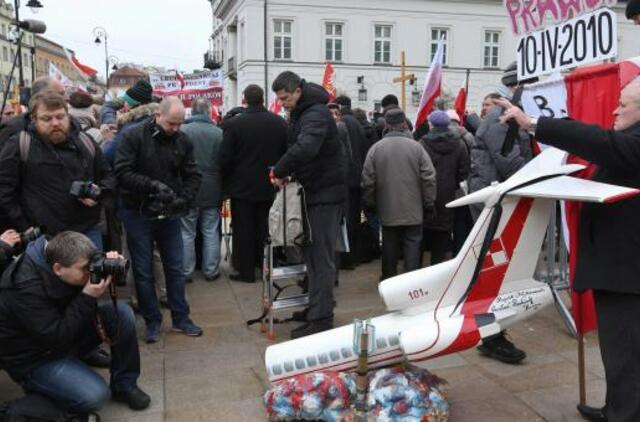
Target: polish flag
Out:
[83,69]
[461,100]
[432,86]
[276,107]
[329,82]
[215,113]
[180,78]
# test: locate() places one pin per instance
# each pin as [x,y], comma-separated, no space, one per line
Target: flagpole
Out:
[402,76]
[466,85]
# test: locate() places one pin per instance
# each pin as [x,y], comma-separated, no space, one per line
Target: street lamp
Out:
[362,92]
[101,34]
[113,60]
[34,5]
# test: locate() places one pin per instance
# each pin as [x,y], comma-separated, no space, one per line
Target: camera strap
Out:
[99,321]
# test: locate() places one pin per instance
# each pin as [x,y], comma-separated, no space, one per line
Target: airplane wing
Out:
[572,188]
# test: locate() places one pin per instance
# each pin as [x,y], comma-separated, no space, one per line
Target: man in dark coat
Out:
[204,211]
[158,178]
[449,156]
[253,142]
[35,184]
[49,315]
[317,159]
[608,243]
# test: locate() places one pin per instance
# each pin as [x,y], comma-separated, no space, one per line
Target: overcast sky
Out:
[166,33]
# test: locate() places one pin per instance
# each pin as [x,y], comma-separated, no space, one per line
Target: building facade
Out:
[363,40]
[8,51]
[124,78]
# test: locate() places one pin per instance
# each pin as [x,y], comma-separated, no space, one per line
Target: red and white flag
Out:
[432,86]
[180,78]
[329,82]
[84,70]
[461,100]
[275,107]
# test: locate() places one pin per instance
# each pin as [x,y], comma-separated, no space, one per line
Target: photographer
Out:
[49,315]
[53,175]
[8,240]
[158,178]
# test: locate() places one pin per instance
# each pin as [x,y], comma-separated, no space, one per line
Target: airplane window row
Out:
[333,356]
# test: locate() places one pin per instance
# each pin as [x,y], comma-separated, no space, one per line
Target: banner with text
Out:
[197,85]
[589,38]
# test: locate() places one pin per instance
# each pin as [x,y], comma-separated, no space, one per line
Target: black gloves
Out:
[162,192]
[178,206]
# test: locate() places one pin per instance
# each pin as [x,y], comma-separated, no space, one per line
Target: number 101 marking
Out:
[417,294]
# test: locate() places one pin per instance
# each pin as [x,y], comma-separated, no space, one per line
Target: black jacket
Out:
[609,234]
[145,153]
[6,252]
[316,156]
[357,153]
[41,317]
[252,143]
[36,192]
[451,161]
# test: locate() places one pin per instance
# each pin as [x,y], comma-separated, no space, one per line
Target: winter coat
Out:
[146,154]
[253,142]
[316,156]
[36,192]
[125,121]
[609,234]
[6,253]
[42,318]
[357,151]
[206,139]
[399,180]
[487,162]
[449,156]
[87,121]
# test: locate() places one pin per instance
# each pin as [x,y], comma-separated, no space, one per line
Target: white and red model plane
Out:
[487,287]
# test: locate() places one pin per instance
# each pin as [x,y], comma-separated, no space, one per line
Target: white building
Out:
[365,38]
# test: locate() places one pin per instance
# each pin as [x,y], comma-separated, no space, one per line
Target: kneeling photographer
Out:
[49,315]
[54,175]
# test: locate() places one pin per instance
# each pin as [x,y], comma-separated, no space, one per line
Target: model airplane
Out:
[487,287]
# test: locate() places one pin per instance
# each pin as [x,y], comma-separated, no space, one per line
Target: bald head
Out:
[170,115]
[628,112]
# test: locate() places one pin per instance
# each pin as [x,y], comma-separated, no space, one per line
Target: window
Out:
[5,54]
[382,44]
[333,42]
[491,49]
[436,34]
[282,39]
[25,59]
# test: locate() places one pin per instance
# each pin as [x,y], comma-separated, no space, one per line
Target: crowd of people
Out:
[133,177]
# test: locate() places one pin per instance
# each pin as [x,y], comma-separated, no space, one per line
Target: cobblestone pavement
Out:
[221,377]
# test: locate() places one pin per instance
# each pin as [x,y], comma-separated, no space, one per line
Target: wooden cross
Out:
[403,78]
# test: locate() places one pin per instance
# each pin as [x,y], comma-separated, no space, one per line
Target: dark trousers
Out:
[319,258]
[75,387]
[462,225]
[353,225]
[142,232]
[250,230]
[619,337]
[439,242]
[409,238]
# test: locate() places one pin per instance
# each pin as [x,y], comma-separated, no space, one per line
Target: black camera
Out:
[29,235]
[83,189]
[158,206]
[100,267]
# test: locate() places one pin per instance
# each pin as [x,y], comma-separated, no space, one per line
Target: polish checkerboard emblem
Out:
[496,256]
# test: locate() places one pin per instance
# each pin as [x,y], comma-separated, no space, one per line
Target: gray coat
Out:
[399,180]
[206,139]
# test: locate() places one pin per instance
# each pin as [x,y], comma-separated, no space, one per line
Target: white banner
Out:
[56,74]
[189,87]
[586,39]
[546,99]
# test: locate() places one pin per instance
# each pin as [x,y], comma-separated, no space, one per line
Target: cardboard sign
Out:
[586,39]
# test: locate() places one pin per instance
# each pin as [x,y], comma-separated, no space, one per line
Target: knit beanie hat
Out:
[633,8]
[80,99]
[510,75]
[439,118]
[140,93]
[395,116]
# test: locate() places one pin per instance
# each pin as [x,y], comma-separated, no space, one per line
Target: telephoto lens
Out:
[101,267]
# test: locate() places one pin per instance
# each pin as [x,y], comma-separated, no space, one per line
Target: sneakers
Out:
[135,398]
[188,328]
[312,327]
[152,333]
[498,347]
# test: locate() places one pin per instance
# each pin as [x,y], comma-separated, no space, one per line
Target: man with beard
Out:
[52,174]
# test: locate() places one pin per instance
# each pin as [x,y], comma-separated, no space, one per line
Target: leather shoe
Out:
[135,398]
[498,347]
[240,277]
[311,327]
[300,316]
[592,413]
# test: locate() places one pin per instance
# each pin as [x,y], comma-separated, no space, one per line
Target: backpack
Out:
[288,223]
[24,143]
[36,408]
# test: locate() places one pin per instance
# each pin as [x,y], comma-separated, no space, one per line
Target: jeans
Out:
[142,232]
[76,388]
[209,219]
[94,233]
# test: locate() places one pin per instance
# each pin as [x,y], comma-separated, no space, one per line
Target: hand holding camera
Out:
[10,237]
[87,192]
[97,290]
